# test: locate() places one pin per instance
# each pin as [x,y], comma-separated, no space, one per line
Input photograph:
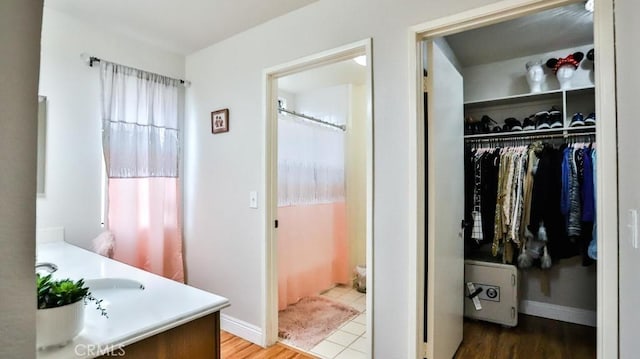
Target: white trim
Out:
[559,312]
[369,198]
[607,191]
[240,328]
[416,205]
[607,181]
[484,16]
[269,290]
[269,249]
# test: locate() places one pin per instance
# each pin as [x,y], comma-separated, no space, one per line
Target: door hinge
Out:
[424,350]
[275,223]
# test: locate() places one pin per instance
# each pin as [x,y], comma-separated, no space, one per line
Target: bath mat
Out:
[310,320]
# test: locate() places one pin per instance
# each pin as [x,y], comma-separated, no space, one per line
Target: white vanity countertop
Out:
[133,314]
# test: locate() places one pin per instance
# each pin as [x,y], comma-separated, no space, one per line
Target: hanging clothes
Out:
[588,206]
[488,191]
[570,205]
[476,214]
[538,199]
[469,182]
[593,245]
[528,189]
[547,222]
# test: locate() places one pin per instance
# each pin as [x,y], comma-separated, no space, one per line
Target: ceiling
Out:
[181,26]
[550,30]
[339,73]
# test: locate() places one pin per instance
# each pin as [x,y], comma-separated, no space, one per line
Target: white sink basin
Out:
[104,284]
[113,294]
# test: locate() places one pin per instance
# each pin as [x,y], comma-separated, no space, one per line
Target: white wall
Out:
[570,284]
[290,99]
[356,176]
[223,237]
[628,78]
[329,103]
[508,77]
[74,140]
[20,46]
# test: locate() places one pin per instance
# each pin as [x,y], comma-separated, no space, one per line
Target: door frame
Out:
[269,250]
[607,176]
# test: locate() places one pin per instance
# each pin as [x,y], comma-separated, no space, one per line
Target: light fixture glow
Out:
[589,5]
[361,60]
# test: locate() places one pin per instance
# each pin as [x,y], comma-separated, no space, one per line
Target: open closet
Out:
[510,112]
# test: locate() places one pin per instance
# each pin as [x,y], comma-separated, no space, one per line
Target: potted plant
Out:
[60,314]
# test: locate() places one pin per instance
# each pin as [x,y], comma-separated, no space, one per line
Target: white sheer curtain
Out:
[310,163]
[140,122]
[141,144]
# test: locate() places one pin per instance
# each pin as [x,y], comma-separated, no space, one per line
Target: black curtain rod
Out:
[93,59]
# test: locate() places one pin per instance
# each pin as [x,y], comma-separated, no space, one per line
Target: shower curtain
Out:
[312,235]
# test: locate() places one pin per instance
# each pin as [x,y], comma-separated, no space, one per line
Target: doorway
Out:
[318,251]
[434,298]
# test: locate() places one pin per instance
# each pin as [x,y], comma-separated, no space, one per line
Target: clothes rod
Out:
[340,127]
[92,60]
[532,137]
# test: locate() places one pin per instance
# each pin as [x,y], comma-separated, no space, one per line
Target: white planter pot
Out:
[58,326]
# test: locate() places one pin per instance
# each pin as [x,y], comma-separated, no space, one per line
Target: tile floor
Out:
[349,341]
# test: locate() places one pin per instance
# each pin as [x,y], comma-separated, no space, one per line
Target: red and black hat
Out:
[573,60]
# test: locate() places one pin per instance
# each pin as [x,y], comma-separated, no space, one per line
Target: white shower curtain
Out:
[141,143]
[312,236]
[310,163]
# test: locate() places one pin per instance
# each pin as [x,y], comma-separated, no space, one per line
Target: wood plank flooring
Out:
[533,338]
[237,348]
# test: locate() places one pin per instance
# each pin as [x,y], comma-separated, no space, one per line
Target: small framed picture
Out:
[220,121]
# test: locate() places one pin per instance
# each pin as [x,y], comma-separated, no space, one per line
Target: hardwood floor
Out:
[237,348]
[533,338]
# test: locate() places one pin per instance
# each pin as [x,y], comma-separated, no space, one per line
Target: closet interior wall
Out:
[571,284]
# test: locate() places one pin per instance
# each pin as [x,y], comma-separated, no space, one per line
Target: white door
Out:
[445,205]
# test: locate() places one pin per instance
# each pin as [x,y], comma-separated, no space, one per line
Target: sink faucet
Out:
[49,267]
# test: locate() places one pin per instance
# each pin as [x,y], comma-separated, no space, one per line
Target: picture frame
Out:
[220,121]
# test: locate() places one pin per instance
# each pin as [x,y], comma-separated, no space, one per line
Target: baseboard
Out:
[241,329]
[559,312]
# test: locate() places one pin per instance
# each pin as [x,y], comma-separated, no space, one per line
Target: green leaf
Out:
[57,293]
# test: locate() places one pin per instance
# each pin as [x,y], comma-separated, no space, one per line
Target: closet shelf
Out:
[587,130]
[525,97]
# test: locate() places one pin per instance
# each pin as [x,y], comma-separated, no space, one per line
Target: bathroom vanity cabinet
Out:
[199,338]
[148,316]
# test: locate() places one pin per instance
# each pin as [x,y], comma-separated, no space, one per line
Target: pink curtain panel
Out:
[312,250]
[143,216]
